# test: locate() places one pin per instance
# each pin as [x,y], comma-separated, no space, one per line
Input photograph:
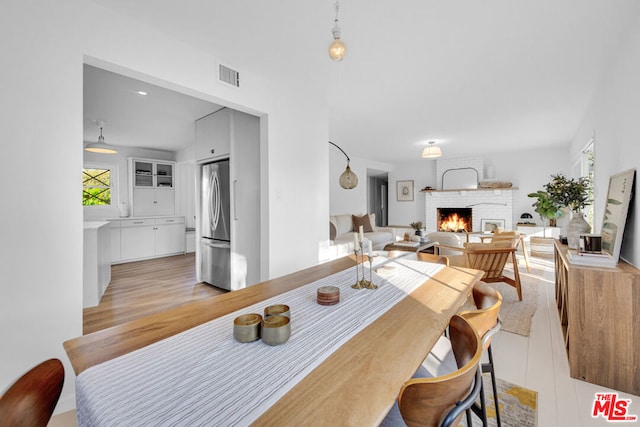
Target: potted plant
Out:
[547,208]
[568,193]
[417,226]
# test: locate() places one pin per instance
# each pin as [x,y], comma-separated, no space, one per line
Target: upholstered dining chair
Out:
[439,395]
[30,401]
[490,258]
[486,320]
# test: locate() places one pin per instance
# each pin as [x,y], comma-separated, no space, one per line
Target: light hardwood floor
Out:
[140,288]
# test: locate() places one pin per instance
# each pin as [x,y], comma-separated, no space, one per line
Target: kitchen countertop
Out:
[88,225]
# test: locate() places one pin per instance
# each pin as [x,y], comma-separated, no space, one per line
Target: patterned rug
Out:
[518,405]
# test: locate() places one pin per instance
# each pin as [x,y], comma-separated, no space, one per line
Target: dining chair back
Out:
[441,401]
[516,239]
[491,258]
[30,401]
[486,320]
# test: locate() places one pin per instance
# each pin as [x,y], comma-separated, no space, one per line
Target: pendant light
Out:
[348,179]
[431,152]
[100,146]
[337,49]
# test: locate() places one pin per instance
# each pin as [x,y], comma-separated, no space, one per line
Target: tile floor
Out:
[539,362]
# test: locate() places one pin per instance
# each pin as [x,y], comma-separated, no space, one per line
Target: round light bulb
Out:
[337,50]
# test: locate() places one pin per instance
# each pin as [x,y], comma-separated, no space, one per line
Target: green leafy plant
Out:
[416,225]
[545,206]
[571,193]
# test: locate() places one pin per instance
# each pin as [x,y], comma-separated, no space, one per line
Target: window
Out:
[98,186]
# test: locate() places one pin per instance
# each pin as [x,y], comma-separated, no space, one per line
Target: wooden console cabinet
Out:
[599,312]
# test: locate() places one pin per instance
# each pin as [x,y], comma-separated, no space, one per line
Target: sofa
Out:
[342,227]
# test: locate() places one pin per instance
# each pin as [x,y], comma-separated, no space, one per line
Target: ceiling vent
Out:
[228,75]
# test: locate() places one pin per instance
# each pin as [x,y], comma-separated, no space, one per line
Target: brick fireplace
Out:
[487,205]
[457,220]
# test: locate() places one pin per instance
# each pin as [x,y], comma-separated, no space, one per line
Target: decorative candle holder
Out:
[370,284]
[364,283]
[358,284]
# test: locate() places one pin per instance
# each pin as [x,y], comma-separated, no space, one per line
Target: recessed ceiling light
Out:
[141,92]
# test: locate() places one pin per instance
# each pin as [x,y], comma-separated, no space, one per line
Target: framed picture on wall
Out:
[615,211]
[491,225]
[404,191]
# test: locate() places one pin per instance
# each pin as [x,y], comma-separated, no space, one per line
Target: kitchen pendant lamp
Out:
[431,152]
[337,49]
[348,179]
[100,146]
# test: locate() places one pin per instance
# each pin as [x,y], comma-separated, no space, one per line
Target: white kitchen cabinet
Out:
[96,271]
[170,234]
[137,239]
[115,241]
[152,187]
[144,238]
[213,135]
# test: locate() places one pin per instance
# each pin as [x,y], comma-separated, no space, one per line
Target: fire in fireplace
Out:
[456,220]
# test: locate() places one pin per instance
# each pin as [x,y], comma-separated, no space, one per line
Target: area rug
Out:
[518,405]
[516,315]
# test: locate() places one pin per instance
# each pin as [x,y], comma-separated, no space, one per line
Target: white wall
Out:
[44,45]
[613,118]
[423,173]
[352,201]
[528,170]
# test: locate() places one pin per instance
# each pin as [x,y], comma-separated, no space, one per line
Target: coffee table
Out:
[410,246]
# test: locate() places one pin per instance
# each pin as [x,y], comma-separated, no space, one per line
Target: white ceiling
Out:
[162,119]
[476,77]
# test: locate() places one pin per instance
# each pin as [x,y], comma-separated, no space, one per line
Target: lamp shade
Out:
[348,179]
[100,146]
[431,152]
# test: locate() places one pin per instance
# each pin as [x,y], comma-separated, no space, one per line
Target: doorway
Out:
[379,197]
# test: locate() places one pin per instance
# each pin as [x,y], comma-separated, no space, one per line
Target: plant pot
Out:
[418,232]
[577,226]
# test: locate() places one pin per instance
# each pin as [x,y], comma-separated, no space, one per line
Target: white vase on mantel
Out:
[577,226]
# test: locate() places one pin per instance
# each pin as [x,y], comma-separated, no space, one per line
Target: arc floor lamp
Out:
[348,179]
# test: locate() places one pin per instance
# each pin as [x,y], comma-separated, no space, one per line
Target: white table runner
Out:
[202,376]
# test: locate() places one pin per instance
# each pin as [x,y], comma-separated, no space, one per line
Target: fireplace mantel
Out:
[470,189]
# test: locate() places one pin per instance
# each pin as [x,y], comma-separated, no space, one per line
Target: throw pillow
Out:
[332,231]
[362,221]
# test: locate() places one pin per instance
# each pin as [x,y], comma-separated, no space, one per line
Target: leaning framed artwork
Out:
[491,225]
[615,211]
[404,191]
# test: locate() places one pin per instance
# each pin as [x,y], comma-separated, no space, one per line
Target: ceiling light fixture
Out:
[141,92]
[100,146]
[337,49]
[431,152]
[348,179]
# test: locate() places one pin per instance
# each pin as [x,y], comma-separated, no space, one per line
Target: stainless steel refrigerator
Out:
[215,242]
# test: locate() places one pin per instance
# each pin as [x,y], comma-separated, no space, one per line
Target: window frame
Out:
[113,170]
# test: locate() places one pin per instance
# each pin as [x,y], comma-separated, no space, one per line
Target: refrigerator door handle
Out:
[235,199]
[214,206]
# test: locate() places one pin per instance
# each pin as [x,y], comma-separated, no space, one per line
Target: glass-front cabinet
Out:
[152,174]
[152,187]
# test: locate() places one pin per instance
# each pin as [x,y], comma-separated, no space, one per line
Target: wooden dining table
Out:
[356,384]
